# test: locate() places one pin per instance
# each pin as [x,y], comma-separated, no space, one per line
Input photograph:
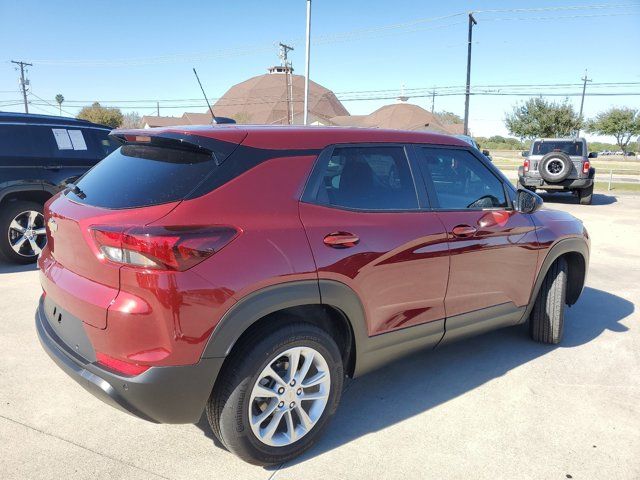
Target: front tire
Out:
[276,393]
[546,322]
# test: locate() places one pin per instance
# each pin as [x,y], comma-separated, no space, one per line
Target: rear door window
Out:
[460,181]
[142,175]
[368,178]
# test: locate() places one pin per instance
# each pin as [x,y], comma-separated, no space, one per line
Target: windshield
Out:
[569,147]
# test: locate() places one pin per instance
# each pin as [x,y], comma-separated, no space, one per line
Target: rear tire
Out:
[585,196]
[17,221]
[233,403]
[546,322]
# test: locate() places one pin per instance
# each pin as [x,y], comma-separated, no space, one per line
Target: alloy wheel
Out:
[289,396]
[27,233]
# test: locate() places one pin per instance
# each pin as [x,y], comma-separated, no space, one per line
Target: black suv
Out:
[39,155]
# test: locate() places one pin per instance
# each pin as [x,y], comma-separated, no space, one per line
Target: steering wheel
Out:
[486,201]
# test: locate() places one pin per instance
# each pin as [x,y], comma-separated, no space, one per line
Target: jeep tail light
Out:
[120,366]
[585,167]
[160,247]
[526,165]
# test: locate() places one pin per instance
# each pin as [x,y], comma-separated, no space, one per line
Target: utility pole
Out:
[584,89]
[472,22]
[23,82]
[288,70]
[433,100]
[306,66]
[158,108]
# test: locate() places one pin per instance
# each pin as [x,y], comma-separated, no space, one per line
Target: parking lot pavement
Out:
[497,406]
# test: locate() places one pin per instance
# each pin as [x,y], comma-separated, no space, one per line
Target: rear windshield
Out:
[568,147]
[142,175]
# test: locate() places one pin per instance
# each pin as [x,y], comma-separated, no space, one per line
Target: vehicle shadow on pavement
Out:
[13,268]
[430,378]
[569,198]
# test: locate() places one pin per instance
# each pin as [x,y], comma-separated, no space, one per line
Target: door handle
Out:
[341,240]
[463,231]
[52,167]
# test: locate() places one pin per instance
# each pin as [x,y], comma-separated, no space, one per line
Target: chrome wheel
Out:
[289,396]
[27,234]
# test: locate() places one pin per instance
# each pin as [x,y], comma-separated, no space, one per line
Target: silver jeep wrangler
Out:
[559,164]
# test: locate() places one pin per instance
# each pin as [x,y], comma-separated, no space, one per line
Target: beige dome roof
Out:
[405,116]
[263,100]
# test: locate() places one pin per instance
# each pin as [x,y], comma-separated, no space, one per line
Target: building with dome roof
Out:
[265,99]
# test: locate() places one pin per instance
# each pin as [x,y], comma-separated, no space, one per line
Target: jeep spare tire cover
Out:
[555,167]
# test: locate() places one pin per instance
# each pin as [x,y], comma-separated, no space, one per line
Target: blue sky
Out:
[117,50]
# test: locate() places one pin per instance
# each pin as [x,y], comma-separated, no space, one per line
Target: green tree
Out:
[242,117]
[59,100]
[131,120]
[538,117]
[96,113]
[448,118]
[620,123]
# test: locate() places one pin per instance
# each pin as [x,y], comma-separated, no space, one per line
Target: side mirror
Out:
[486,153]
[593,155]
[525,153]
[527,201]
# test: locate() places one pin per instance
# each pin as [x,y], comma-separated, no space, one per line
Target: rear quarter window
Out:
[16,141]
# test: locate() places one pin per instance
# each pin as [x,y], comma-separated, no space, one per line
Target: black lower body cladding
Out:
[160,395]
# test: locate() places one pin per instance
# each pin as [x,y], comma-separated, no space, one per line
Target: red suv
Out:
[244,271]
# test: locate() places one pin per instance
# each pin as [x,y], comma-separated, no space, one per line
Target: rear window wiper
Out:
[76,190]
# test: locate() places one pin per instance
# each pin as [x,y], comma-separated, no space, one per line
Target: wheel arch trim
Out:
[576,281]
[23,187]
[257,305]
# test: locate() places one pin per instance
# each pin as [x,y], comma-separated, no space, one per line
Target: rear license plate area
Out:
[70,330]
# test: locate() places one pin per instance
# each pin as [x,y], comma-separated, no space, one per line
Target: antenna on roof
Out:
[213,117]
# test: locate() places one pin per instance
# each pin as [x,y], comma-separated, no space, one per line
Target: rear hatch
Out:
[136,185]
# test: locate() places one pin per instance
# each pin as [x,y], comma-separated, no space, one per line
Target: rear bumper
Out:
[569,184]
[159,395]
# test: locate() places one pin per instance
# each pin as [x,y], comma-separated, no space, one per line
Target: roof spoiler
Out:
[218,147]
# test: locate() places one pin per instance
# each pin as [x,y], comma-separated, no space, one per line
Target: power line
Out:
[373,98]
[559,7]
[409,91]
[349,35]
[51,105]
[562,17]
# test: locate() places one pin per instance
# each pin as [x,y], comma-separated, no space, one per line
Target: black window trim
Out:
[312,186]
[508,188]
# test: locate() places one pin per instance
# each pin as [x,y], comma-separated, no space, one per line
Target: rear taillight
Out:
[585,167]
[120,366]
[164,248]
[526,165]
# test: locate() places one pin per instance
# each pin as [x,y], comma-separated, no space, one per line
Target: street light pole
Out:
[306,66]
[472,22]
